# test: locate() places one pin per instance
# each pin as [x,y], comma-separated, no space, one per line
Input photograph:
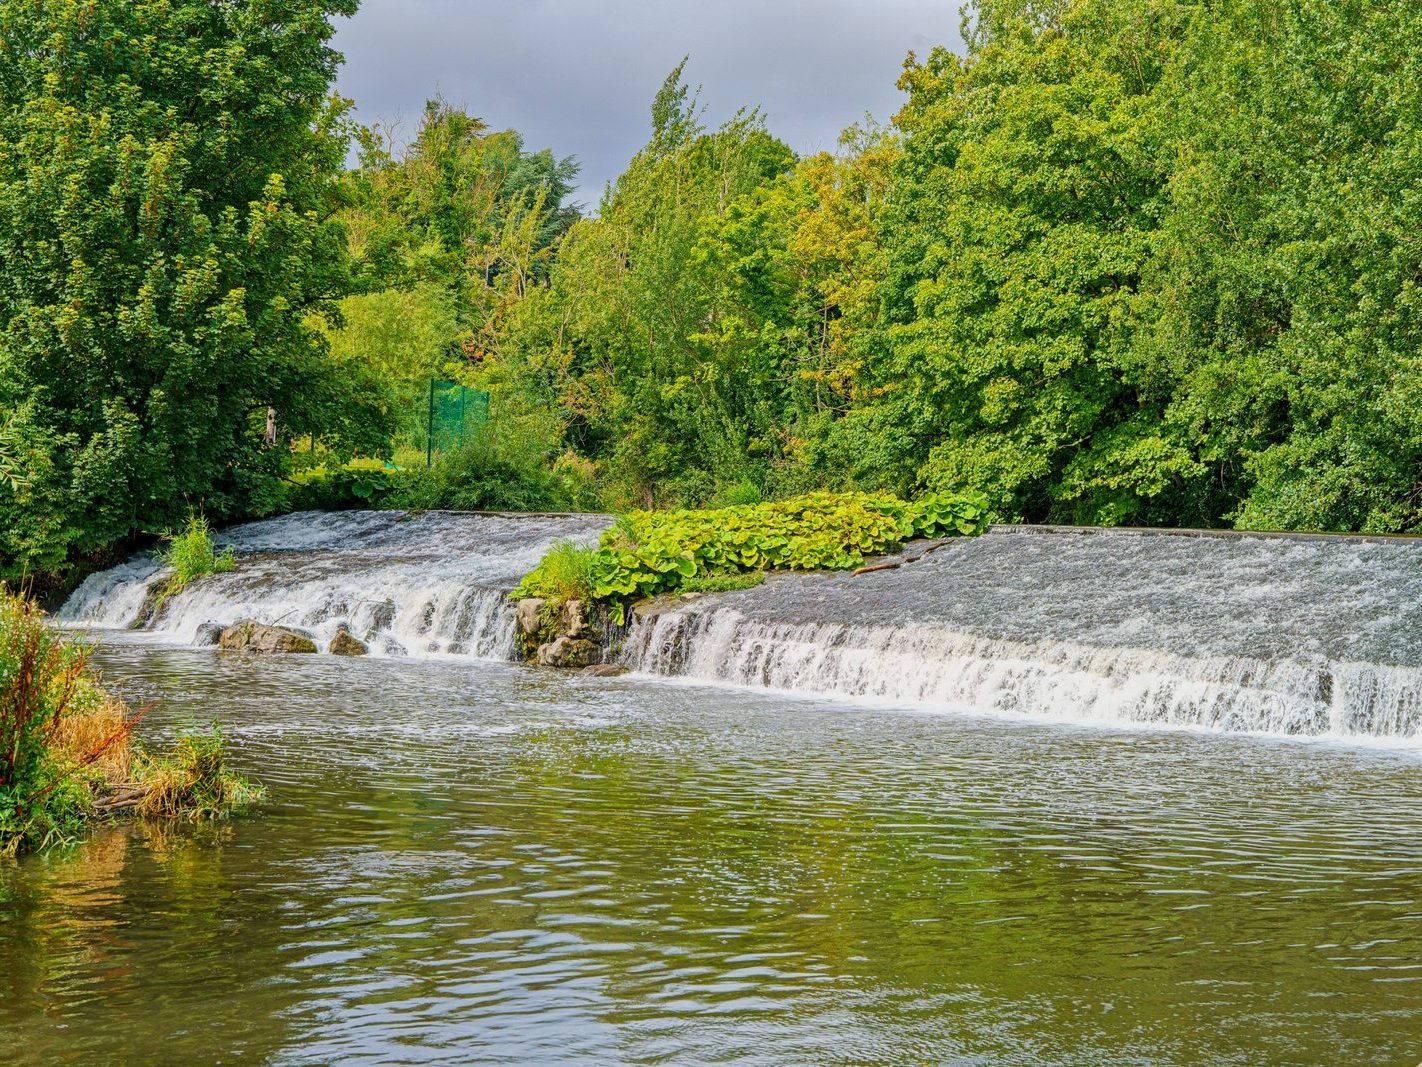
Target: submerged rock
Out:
[529,615]
[568,652]
[209,635]
[252,636]
[604,670]
[345,643]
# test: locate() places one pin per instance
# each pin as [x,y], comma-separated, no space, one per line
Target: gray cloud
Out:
[578,76]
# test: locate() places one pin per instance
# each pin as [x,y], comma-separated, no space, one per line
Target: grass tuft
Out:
[191,554]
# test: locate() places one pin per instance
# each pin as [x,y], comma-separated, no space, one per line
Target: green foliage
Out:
[504,466]
[722,583]
[65,753]
[39,676]
[352,487]
[613,346]
[191,554]
[651,552]
[167,180]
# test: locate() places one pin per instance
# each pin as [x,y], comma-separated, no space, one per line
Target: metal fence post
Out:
[429,430]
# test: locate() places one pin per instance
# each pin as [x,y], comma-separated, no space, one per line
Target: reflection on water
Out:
[485,864]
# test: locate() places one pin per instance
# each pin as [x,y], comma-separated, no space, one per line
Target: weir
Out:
[1299,637]
[1288,636]
[422,585]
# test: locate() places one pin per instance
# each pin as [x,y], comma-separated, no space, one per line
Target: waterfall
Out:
[1304,638]
[426,584]
[1298,638]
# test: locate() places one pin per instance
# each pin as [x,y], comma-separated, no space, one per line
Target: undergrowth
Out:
[722,583]
[66,746]
[192,781]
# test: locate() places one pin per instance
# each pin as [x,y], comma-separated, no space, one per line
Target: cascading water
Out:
[1295,637]
[407,584]
[1273,635]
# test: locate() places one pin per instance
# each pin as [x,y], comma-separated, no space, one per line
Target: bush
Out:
[651,552]
[349,488]
[192,554]
[490,473]
[39,676]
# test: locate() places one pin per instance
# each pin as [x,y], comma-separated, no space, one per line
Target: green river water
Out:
[466,863]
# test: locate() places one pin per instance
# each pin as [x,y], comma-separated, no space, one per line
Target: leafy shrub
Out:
[65,746]
[38,676]
[490,473]
[62,739]
[651,552]
[346,489]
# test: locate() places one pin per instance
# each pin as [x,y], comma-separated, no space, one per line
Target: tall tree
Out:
[168,175]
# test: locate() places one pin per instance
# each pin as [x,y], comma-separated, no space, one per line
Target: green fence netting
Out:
[453,414]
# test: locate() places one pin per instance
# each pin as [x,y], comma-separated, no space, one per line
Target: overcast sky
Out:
[578,76]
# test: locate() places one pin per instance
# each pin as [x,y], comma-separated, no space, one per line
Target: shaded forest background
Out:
[1125,262]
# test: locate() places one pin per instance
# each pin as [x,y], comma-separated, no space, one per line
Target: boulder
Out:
[568,652]
[252,636]
[575,620]
[604,670]
[345,643]
[530,616]
[209,635]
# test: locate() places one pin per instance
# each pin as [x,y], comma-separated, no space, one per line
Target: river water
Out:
[1029,799]
[480,863]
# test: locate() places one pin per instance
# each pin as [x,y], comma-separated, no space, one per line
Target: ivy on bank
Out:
[652,552]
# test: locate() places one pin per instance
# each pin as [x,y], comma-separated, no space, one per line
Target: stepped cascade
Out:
[427,584]
[1288,636]
[1262,634]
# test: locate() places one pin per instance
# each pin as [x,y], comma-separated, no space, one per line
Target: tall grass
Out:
[67,751]
[564,574]
[192,782]
[192,554]
[60,735]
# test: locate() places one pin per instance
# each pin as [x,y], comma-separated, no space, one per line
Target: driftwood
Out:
[122,799]
[894,565]
[879,567]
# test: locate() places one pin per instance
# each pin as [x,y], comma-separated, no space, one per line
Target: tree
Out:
[618,343]
[168,176]
[1017,237]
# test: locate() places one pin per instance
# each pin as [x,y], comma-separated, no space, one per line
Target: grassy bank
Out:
[67,751]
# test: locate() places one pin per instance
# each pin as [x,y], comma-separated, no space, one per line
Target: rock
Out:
[568,652]
[604,670]
[209,635]
[575,620]
[252,636]
[530,616]
[345,643]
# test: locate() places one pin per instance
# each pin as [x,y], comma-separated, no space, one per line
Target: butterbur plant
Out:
[652,552]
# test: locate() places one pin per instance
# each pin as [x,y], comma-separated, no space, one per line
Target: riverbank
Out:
[68,756]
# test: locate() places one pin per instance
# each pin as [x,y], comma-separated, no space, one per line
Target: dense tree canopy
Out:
[1125,261]
[168,172]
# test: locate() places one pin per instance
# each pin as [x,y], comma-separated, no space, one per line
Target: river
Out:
[466,861]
